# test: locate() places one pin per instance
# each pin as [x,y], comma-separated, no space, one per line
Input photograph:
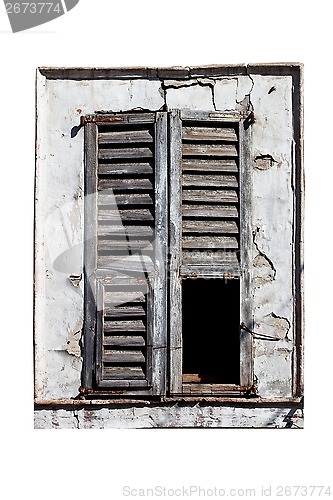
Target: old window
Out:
[167,231]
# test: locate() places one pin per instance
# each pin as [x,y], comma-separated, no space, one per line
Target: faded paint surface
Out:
[168,417]
[59,236]
[272,217]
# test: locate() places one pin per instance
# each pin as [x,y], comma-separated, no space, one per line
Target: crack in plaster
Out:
[250,105]
[76,417]
[262,254]
[283,318]
[201,82]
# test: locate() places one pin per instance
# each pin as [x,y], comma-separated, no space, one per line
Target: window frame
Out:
[167,312]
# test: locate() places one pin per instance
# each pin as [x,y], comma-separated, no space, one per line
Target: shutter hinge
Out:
[99,118]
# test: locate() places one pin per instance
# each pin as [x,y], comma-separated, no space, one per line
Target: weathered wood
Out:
[207,211]
[209,226]
[215,270]
[117,184]
[157,333]
[99,329]
[124,168]
[125,199]
[132,263]
[246,288]
[125,230]
[175,249]
[143,214]
[118,356]
[197,389]
[123,312]
[124,326]
[127,385]
[117,153]
[119,118]
[119,279]
[203,196]
[124,245]
[90,251]
[210,257]
[209,165]
[209,242]
[125,136]
[209,150]
[123,372]
[124,297]
[209,134]
[124,340]
[208,116]
[205,180]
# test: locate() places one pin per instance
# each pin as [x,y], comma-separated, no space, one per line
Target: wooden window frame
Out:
[167,351]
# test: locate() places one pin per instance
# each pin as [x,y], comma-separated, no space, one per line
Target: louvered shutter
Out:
[125,253]
[209,233]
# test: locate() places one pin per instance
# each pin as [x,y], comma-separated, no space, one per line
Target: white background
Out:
[89,464]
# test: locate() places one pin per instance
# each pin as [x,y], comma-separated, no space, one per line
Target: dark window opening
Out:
[210,329]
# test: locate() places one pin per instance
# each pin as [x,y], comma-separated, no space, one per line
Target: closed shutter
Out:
[126,252]
[210,229]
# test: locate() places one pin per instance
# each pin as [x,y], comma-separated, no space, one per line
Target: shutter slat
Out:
[209,242]
[131,231]
[113,356]
[210,180]
[203,196]
[125,199]
[209,134]
[124,297]
[142,214]
[123,312]
[209,165]
[133,263]
[123,373]
[118,153]
[131,184]
[210,257]
[125,136]
[209,150]
[110,245]
[124,341]
[124,169]
[208,226]
[206,211]
[124,326]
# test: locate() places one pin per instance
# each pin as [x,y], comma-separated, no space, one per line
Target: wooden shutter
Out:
[210,230]
[125,253]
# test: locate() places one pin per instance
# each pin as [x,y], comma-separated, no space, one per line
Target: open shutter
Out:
[125,253]
[208,229]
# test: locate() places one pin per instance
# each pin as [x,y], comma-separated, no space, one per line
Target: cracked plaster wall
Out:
[60,211]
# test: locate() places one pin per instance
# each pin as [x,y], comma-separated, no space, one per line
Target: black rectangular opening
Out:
[210,329]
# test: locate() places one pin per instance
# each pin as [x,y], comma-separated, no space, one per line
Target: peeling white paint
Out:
[169,417]
[225,92]
[193,97]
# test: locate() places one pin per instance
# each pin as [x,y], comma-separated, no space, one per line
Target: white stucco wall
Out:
[59,214]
